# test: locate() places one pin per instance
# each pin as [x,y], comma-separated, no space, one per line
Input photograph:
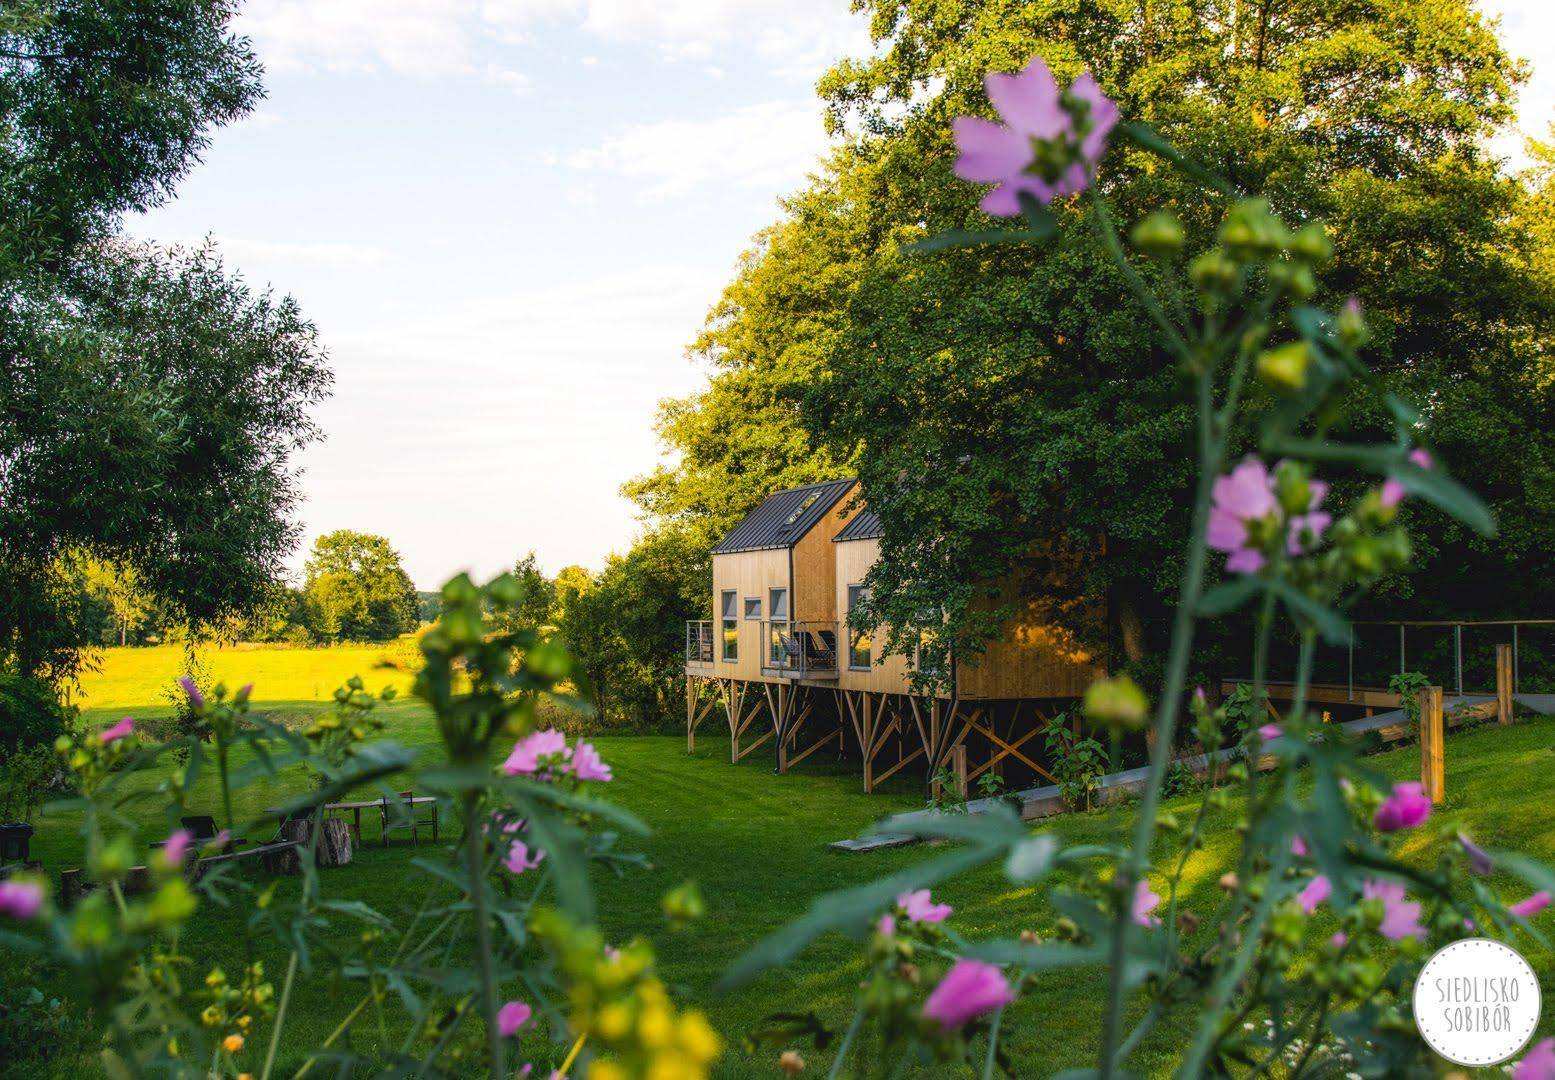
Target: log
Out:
[335,846]
[1433,764]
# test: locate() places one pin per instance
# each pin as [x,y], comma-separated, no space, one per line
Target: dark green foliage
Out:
[149,401]
[1077,761]
[356,589]
[27,775]
[30,713]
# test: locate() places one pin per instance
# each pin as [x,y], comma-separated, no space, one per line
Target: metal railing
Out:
[799,650]
[699,641]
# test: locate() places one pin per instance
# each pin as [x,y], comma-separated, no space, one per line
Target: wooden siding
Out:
[815,565]
[748,573]
[853,560]
[1037,656]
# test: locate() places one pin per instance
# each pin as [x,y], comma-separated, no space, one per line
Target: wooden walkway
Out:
[1045,801]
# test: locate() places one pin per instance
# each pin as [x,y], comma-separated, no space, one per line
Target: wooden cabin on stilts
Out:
[781,663]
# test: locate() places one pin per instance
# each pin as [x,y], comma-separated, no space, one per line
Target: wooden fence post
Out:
[1433,760]
[1503,684]
[958,766]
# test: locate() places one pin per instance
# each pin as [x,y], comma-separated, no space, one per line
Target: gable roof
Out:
[864,526]
[783,517]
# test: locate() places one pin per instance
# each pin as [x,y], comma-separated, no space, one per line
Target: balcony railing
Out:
[699,641]
[799,650]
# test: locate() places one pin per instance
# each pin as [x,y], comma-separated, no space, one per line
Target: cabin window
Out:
[859,641]
[777,602]
[753,607]
[729,609]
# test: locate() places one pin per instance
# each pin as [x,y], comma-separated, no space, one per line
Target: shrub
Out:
[27,775]
[31,713]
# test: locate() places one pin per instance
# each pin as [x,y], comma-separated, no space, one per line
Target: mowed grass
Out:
[757,845]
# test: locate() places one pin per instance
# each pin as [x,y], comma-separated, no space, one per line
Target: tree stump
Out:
[334,849]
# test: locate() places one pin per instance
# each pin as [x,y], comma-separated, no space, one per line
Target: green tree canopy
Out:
[1008,408]
[149,401]
[356,589]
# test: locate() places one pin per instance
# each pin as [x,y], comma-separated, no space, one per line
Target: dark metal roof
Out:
[864,526]
[783,517]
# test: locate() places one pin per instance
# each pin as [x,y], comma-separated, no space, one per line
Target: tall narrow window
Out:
[778,629]
[859,641]
[729,609]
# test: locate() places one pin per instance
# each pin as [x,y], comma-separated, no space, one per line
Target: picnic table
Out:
[356,806]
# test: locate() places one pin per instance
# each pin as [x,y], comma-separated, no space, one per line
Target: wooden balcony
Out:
[799,650]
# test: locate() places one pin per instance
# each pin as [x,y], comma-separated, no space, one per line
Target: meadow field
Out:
[755,842]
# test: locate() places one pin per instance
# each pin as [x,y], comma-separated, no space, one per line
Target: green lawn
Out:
[756,843]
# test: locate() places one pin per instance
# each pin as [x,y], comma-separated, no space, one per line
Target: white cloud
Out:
[771,145]
[409,37]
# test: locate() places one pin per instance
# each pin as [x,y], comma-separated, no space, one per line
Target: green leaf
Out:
[1036,956]
[847,909]
[1147,138]
[1334,627]
[1229,596]
[959,238]
[1449,496]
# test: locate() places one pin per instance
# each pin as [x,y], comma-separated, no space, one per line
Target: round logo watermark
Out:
[1476,1002]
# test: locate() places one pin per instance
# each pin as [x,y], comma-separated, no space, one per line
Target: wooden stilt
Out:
[1433,760]
[697,710]
[1503,684]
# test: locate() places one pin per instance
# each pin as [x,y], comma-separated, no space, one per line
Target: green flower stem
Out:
[475,867]
[1230,974]
[1109,236]
[1211,451]
[280,1016]
[846,1045]
[990,1059]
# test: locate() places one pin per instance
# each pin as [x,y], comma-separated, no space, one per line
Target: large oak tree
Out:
[1008,405]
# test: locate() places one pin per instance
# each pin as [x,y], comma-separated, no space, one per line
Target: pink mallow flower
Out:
[1270,732]
[1400,916]
[529,751]
[20,899]
[177,846]
[887,925]
[1404,809]
[1316,891]
[971,988]
[1527,909]
[1305,530]
[588,765]
[192,691]
[1145,902]
[920,907]
[122,730]
[1244,494]
[1298,846]
[512,1017]
[1043,149]
[1538,1063]
[519,860]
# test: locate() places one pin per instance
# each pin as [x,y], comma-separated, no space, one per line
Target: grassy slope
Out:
[756,842]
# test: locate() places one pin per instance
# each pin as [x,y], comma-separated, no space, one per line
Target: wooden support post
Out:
[1503,684]
[958,766]
[1433,757]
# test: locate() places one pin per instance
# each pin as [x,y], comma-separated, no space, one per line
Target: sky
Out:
[509,219]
